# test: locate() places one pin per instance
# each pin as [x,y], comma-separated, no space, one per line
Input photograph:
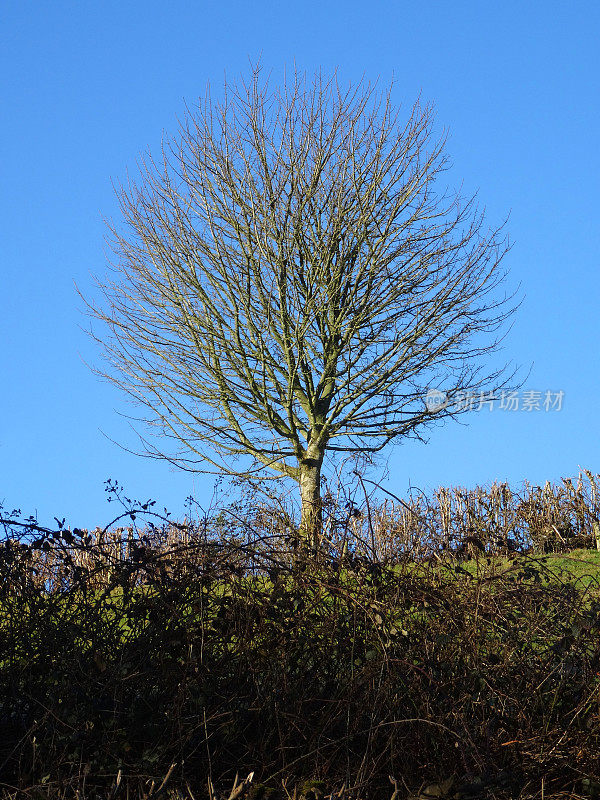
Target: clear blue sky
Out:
[88,85]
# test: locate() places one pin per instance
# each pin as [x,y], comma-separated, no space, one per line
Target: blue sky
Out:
[87,86]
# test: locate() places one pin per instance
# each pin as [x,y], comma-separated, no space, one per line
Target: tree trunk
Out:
[311,518]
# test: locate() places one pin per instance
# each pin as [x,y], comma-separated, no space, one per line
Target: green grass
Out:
[580,567]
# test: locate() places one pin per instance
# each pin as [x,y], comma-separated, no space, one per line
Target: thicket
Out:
[202,650]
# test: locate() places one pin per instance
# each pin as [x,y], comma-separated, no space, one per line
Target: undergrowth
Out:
[210,659]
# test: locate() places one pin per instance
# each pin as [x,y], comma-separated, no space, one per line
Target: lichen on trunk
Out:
[311,515]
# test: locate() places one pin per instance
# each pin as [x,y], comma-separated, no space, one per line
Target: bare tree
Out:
[287,282]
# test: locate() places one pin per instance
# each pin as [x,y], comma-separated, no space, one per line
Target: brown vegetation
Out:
[195,659]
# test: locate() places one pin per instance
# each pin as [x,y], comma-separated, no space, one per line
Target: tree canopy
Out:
[289,280]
